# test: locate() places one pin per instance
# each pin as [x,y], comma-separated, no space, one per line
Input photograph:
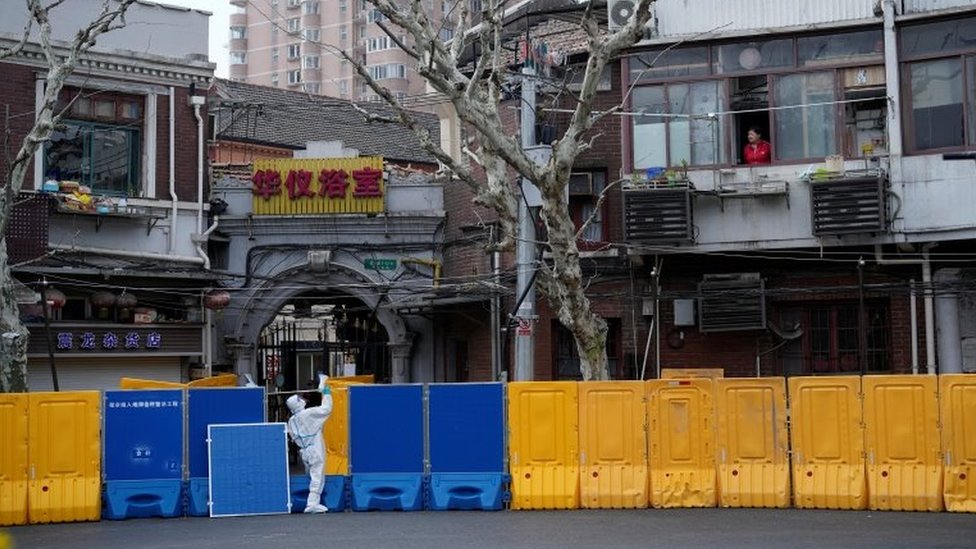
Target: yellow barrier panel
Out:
[135,383]
[957,394]
[682,443]
[13,459]
[543,446]
[902,443]
[828,443]
[753,445]
[336,430]
[65,457]
[613,445]
[366,378]
[219,380]
[685,373]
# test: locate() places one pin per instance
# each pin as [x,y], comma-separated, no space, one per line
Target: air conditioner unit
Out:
[729,302]
[620,11]
[581,184]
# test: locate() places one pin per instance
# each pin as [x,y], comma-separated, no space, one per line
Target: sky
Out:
[219,29]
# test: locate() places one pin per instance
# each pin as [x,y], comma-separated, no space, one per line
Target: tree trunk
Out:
[13,333]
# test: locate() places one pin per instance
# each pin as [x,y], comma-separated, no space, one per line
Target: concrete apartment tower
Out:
[293,44]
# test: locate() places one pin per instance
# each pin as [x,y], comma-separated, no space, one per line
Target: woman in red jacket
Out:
[757,150]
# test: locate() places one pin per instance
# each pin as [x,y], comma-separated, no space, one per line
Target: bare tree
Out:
[476,94]
[61,60]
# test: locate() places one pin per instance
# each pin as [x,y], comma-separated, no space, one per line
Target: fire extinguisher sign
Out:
[524,327]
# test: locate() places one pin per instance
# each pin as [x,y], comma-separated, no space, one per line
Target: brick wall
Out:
[17,99]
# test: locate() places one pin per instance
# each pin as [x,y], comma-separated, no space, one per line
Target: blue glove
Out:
[323,386]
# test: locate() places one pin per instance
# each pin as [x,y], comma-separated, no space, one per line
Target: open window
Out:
[749,101]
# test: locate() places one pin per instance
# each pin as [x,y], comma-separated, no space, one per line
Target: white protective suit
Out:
[305,430]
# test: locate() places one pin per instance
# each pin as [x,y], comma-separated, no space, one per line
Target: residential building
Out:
[120,236]
[847,252]
[294,44]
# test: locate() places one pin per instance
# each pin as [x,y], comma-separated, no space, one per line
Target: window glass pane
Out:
[751,56]
[971,71]
[671,63]
[649,131]
[808,131]
[841,48]
[938,37]
[64,154]
[112,160]
[695,138]
[937,103]
[81,106]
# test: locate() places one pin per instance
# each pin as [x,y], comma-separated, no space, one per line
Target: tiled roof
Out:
[273,116]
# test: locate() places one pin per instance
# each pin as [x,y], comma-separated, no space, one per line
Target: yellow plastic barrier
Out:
[613,445]
[957,395]
[902,443]
[828,443]
[543,446]
[685,373]
[336,430]
[65,457]
[682,443]
[13,459]
[753,445]
[366,378]
[219,380]
[135,383]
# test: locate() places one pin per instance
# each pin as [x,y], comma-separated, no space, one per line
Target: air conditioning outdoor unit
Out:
[620,11]
[729,302]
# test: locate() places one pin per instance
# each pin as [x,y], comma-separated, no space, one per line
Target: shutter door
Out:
[77,374]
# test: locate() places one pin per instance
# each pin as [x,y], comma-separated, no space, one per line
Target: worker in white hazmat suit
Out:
[305,430]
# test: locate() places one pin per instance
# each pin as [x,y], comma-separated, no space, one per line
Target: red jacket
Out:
[758,153]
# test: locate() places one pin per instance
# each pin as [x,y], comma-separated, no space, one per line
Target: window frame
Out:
[728,139]
[134,163]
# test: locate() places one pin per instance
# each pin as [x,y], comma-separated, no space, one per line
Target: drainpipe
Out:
[947,309]
[892,79]
[126,253]
[927,300]
[172,170]
[929,310]
[197,101]
[434,264]
[913,313]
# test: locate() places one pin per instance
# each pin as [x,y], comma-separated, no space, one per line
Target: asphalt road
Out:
[605,529]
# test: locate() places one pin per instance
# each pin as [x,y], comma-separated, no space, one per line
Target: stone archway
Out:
[258,305]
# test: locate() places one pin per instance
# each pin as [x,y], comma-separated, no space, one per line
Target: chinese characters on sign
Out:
[332,184]
[109,341]
[310,186]
[380,264]
[146,404]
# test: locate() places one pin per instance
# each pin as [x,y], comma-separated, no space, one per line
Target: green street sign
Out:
[380,264]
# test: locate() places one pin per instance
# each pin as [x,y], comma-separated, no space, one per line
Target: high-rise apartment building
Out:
[295,44]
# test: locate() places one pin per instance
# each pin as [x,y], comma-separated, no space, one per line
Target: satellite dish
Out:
[621,11]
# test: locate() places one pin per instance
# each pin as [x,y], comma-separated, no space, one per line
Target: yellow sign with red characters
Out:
[298,186]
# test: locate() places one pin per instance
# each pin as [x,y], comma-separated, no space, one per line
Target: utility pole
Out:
[525,248]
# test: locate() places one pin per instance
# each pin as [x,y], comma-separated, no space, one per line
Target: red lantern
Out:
[103,302]
[126,301]
[55,298]
[216,299]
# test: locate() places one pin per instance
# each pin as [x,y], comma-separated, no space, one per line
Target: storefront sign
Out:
[76,339]
[315,186]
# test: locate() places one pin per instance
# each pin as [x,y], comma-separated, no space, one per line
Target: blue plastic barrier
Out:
[249,470]
[125,499]
[387,492]
[198,496]
[143,435]
[386,447]
[208,406]
[334,496]
[467,446]
[143,454]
